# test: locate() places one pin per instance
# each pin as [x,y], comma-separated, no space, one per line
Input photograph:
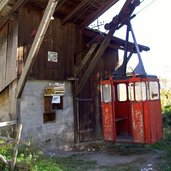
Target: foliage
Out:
[33,159]
[167,116]
[7,152]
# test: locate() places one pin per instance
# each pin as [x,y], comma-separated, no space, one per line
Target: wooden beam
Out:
[18,137]
[86,58]
[98,54]
[17,5]
[36,44]
[9,140]
[97,13]
[60,4]
[3,3]
[74,11]
[8,123]
[119,20]
[116,43]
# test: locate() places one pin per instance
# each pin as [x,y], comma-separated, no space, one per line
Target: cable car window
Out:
[122,92]
[106,93]
[154,90]
[140,91]
[131,91]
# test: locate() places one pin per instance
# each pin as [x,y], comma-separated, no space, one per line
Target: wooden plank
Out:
[97,13]
[17,5]
[3,3]
[86,58]
[116,42]
[74,11]
[8,123]
[60,4]
[16,147]
[11,58]
[12,99]
[3,52]
[36,44]
[9,140]
[97,56]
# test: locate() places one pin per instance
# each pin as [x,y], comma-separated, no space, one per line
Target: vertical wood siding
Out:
[59,38]
[8,54]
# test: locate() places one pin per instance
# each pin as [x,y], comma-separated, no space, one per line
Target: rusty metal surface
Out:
[138,122]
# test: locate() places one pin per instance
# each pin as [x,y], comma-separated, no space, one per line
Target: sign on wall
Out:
[52,56]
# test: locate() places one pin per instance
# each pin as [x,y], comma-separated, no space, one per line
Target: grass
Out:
[35,161]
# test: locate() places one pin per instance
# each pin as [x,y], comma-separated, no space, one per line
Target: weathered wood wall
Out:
[67,40]
[59,38]
[8,53]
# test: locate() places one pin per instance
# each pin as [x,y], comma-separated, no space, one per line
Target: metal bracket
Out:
[139,70]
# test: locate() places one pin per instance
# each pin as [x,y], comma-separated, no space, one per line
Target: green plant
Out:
[167,116]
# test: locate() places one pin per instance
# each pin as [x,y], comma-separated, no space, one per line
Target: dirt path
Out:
[117,158]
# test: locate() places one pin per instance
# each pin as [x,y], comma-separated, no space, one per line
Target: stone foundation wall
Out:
[55,134]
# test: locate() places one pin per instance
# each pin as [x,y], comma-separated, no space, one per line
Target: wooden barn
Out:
[50,67]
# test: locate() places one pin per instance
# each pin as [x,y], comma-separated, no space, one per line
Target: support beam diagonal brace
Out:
[36,44]
[97,56]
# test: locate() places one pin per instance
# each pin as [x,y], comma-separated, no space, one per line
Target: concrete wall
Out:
[47,135]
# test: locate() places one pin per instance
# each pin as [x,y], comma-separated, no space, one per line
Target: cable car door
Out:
[107,98]
[154,111]
[137,105]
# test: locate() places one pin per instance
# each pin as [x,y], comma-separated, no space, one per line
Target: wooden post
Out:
[16,147]
[36,44]
[8,123]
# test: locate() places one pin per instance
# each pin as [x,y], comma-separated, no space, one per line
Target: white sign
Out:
[56,99]
[52,56]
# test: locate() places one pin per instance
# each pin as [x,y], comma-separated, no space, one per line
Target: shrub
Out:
[167,116]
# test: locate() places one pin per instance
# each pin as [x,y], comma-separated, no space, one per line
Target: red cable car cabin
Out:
[131,109]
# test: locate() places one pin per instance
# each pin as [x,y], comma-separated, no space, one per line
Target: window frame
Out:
[103,94]
[119,98]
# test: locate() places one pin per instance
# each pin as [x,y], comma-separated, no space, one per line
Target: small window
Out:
[131,91]
[122,92]
[154,90]
[106,93]
[140,91]
[49,117]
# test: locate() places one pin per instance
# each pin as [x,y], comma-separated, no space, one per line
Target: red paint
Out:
[107,118]
[137,119]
